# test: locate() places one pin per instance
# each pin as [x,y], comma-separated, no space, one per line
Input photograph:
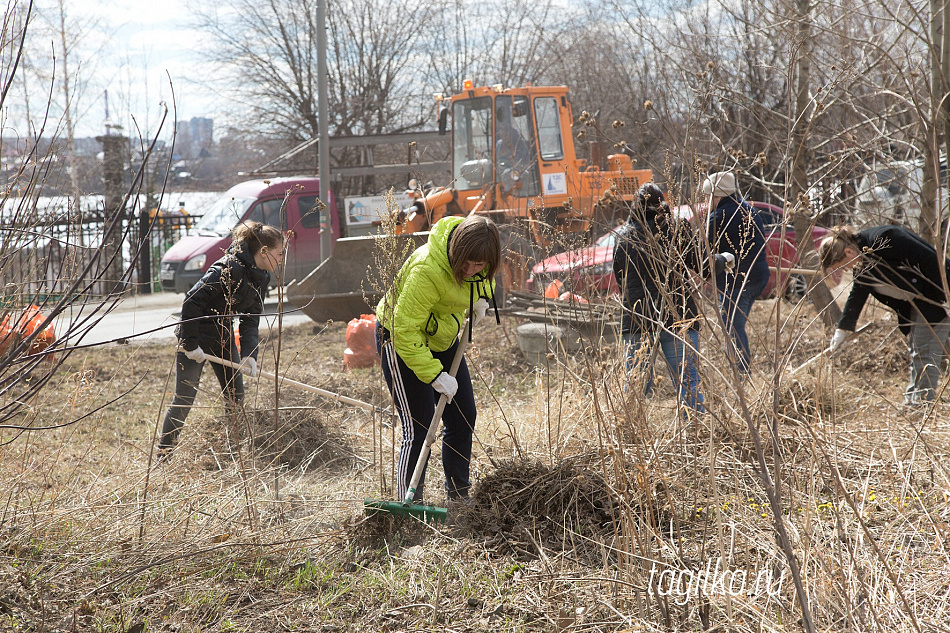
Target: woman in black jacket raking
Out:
[234,286]
[902,271]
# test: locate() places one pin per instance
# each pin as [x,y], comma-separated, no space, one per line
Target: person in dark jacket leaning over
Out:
[233,287]
[902,271]
[652,260]
[734,226]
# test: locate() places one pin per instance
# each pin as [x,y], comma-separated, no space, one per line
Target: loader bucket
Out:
[348,283]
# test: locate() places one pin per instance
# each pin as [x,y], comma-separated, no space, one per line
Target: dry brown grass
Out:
[586,494]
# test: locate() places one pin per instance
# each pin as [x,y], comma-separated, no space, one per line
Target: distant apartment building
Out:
[194,138]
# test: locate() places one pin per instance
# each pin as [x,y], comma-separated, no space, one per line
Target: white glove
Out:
[198,355]
[479,309]
[446,385]
[837,339]
[729,261]
[249,367]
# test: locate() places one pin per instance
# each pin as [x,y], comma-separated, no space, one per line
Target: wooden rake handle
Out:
[321,392]
[826,351]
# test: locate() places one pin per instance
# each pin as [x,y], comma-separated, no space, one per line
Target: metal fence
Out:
[48,259]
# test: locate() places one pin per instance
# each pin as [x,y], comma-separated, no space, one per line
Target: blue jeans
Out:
[735,304]
[681,361]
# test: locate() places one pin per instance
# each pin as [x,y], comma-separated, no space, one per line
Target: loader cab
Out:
[494,142]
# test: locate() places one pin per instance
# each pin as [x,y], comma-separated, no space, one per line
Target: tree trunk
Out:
[818,292]
[930,146]
[940,182]
[74,193]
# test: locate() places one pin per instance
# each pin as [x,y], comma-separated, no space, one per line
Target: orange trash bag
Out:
[30,322]
[553,289]
[26,324]
[360,351]
[6,335]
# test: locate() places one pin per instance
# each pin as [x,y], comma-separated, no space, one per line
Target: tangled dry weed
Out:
[595,508]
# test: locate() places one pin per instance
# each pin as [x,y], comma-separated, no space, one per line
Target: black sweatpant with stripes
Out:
[415,401]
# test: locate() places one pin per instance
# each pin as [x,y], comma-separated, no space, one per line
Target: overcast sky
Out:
[132,48]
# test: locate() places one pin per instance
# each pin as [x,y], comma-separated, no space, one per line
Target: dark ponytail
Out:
[255,236]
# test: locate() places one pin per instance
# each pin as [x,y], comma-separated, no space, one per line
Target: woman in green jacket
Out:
[419,322]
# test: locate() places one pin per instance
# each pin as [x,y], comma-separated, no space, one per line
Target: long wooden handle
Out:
[796,271]
[301,385]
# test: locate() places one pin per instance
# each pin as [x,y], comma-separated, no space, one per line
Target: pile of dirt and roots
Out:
[301,438]
[298,435]
[375,534]
[525,507]
[522,508]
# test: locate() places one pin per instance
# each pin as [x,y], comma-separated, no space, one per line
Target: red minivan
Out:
[295,200]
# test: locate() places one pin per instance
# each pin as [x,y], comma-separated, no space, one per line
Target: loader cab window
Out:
[472,135]
[516,165]
[549,128]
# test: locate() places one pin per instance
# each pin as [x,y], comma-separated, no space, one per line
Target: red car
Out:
[589,271]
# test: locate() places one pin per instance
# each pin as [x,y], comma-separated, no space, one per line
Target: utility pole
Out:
[323,159]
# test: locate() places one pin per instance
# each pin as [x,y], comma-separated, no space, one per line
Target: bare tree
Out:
[612,80]
[45,271]
[271,77]
[506,43]
[68,105]
[64,50]
[798,188]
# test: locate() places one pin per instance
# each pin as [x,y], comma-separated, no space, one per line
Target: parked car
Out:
[589,270]
[891,193]
[262,201]
[586,271]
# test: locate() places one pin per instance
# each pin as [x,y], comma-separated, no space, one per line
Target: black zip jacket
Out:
[232,287]
[896,257]
[735,226]
[652,260]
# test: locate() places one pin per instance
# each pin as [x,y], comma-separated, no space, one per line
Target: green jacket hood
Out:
[438,242]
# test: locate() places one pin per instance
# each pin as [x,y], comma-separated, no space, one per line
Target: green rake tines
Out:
[428,514]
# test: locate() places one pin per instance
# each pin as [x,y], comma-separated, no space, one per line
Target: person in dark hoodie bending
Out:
[234,286]
[902,271]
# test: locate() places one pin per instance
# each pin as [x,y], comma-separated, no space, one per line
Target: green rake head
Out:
[428,514]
